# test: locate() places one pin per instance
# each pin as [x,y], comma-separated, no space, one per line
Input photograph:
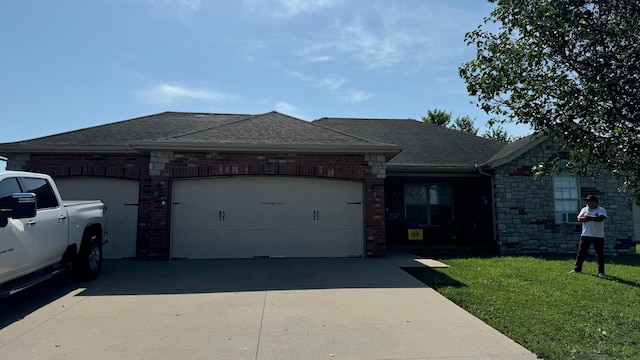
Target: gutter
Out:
[493,201]
[388,150]
[67,149]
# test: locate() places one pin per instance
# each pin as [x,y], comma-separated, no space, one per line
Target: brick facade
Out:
[156,170]
[524,206]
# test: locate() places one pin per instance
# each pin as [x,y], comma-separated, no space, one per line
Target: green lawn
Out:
[556,315]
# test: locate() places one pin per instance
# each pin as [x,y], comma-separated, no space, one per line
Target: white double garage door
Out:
[238,217]
[245,217]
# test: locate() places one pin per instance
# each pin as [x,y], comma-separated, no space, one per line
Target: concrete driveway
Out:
[245,309]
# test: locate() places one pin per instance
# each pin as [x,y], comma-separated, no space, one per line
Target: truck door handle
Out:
[31,223]
[221,215]
[62,217]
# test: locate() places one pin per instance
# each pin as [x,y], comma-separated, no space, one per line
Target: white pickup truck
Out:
[40,234]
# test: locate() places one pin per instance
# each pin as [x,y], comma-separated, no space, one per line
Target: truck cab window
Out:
[8,187]
[44,194]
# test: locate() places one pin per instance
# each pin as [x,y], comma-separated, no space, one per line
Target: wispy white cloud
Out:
[334,85]
[185,9]
[390,34]
[287,9]
[331,83]
[373,49]
[171,93]
[322,58]
[356,96]
[249,50]
[289,109]
[291,8]
[302,76]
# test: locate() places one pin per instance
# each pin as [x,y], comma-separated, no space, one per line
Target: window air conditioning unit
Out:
[570,218]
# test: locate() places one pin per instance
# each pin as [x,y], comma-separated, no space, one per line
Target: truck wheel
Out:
[88,261]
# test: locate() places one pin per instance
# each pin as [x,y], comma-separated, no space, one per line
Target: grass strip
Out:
[535,302]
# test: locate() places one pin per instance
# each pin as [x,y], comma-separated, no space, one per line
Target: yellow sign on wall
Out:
[415,234]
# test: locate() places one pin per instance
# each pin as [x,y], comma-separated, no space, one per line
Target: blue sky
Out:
[71,64]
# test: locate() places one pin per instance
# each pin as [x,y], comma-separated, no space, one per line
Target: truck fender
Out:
[87,263]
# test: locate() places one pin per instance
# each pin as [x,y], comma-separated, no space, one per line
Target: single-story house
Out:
[201,186]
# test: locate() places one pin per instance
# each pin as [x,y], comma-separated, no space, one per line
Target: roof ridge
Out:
[243,117]
[350,135]
[312,122]
[364,119]
[434,126]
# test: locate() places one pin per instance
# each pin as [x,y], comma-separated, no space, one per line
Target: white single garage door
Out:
[121,198]
[245,217]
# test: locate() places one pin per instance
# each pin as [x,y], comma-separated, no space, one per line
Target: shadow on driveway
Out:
[133,277]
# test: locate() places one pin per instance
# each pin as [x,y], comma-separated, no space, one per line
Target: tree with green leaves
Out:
[465,124]
[497,133]
[570,69]
[437,117]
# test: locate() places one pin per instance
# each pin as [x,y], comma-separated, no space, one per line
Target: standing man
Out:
[592,219]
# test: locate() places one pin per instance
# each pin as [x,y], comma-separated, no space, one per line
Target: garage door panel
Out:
[247,216]
[193,216]
[266,216]
[121,197]
[338,216]
[221,244]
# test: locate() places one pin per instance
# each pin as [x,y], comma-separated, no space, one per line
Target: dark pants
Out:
[598,246]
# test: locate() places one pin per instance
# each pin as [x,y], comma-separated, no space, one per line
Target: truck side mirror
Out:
[18,206]
[23,205]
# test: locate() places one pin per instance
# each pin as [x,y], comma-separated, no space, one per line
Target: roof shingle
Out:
[178,130]
[424,145]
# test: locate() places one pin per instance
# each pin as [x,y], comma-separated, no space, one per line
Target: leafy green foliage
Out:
[497,133]
[570,69]
[437,117]
[465,124]
[535,302]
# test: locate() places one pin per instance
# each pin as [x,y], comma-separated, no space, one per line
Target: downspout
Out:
[493,202]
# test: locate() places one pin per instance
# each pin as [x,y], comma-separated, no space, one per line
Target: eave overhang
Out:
[389,151]
[66,149]
[494,163]
[422,170]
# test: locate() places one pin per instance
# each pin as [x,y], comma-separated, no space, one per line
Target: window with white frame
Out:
[566,198]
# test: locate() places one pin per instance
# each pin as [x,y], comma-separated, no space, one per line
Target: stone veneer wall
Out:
[155,171]
[525,209]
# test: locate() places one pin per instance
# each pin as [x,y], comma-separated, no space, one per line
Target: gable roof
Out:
[272,131]
[515,149]
[425,147]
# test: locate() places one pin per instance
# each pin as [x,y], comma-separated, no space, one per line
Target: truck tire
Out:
[88,262]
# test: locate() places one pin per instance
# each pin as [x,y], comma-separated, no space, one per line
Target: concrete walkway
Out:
[245,309]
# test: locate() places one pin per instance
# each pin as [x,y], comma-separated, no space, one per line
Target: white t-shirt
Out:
[593,228]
